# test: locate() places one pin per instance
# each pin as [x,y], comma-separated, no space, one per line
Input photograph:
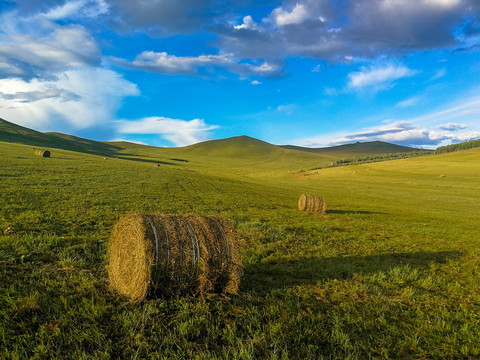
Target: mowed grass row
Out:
[392,271]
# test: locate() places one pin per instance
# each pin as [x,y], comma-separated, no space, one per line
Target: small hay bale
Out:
[161,255]
[156,165]
[42,153]
[441,176]
[312,204]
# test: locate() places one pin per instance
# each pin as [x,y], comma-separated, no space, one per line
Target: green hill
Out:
[357,149]
[13,133]
[240,154]
[390,272]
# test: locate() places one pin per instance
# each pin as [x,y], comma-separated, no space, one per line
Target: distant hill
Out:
[238,148]
[357,149]
[10,132]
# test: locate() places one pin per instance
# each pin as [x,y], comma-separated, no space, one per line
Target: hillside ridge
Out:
[235,147]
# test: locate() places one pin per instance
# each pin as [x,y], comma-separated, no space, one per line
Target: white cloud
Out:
[296,16]
[77,8]
[73,100]
[164,63]
[452,127]
[401,132]
[180,132]
[409,102]
[248,23]
[430,130]
[256,82]
[36,46]
[378,77]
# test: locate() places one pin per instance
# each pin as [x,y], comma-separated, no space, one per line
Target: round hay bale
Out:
[42,153]
[312,204]
[160,255]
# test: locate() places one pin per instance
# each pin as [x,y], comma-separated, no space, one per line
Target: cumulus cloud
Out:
[378,77]
[73,100]
[36,46]
[355,28]
[179,132]
[298,14]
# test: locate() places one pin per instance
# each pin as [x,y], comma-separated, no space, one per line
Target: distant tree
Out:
[457,147]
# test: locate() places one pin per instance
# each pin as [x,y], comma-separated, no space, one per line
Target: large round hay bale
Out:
[161,255]
[312,204]
[42,153]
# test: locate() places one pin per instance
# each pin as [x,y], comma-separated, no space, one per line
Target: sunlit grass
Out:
[390,272]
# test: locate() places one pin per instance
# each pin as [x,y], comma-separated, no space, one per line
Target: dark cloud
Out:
[336,31]
[166,17]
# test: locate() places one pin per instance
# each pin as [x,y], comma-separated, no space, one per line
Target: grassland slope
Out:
[356,149]
[13,133]
[391,271]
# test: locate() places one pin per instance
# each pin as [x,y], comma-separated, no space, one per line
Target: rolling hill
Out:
[13,133]
[357,149]
[238,149]
[391,271]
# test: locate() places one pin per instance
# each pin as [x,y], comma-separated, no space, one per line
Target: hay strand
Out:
[312,204]
[161,255]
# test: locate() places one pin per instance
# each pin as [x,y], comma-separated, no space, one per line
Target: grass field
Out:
[392,270]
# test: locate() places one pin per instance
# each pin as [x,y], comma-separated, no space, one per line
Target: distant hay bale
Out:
[441,176]
[156,165]
[42,153]
[312,204]
[161,255]
[105,158]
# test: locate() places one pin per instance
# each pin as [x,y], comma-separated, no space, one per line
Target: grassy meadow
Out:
[391,272]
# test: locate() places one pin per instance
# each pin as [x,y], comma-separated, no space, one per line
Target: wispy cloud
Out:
[179,132]
[164,63]
[401,133]
[376,78]
[430,130]
[409,102]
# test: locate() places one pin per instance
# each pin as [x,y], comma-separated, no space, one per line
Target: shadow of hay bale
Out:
[161,255]
[267,276]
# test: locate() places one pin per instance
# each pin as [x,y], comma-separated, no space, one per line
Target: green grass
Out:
[391,272]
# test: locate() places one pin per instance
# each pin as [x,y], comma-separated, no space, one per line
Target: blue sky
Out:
[304,72]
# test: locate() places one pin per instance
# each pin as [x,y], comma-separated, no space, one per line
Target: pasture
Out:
[390,272]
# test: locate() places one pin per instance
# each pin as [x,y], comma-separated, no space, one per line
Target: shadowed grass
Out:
[391,271]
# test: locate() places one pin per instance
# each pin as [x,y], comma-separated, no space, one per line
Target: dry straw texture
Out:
[161,255]
[42,153]
[312,204]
